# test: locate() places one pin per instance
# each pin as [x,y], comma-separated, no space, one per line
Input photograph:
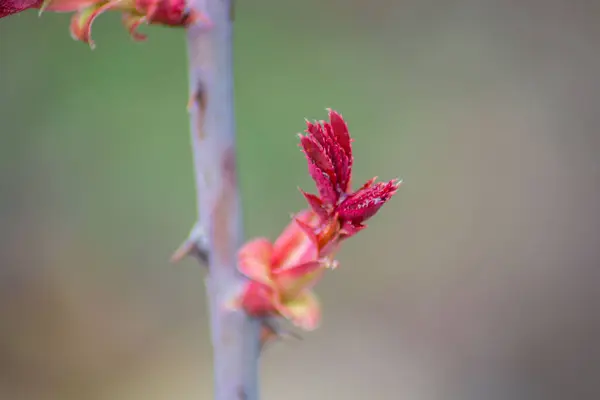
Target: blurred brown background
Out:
[479,281]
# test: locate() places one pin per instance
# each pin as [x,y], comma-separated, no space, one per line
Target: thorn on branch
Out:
[195,245]
[271,331]
[199,99]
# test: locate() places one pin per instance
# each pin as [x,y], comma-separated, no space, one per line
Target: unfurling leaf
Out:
[135,13]
[342,212]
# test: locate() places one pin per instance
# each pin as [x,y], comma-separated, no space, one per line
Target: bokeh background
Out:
[479,281]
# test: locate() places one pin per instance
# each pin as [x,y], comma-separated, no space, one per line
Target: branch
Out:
[218,232]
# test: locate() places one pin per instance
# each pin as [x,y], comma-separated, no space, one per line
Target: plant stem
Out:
[219,233]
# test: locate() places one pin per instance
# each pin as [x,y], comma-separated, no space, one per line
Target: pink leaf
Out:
[293,281]
[254,260]
[295,246]
[304,311]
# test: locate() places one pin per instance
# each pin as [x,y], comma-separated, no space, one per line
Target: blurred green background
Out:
[478,281]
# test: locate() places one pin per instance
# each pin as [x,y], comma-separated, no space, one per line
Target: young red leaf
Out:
[365,203]
[9,7]
[340,130]
[316,205]
[316,153]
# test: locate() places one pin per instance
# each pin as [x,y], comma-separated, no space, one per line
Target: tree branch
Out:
[218,232]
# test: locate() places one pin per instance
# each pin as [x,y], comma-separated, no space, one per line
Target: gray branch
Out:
[218,233]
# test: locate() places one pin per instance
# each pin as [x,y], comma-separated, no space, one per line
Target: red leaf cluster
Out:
[328,149]
[135,13]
